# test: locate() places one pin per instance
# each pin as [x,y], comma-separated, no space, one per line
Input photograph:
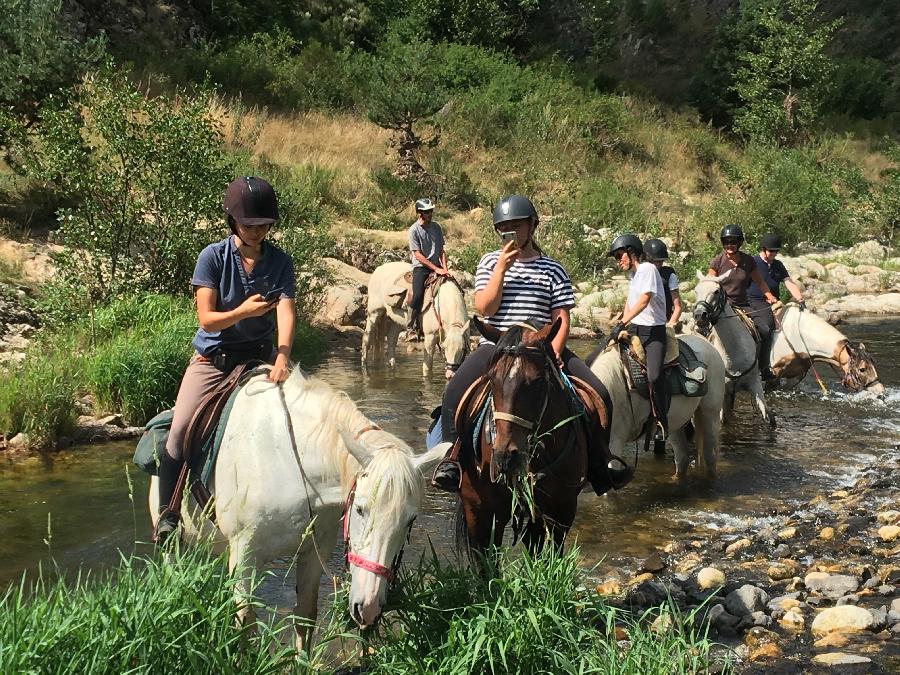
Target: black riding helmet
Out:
[626,241]
[655,249]
[732,232]
[514,207]
[250,200]
[770,242]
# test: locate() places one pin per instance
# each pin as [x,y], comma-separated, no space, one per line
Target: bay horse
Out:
[445,322]
[717,321]
[803,338]
[292,459]
[632,410]
[528,432]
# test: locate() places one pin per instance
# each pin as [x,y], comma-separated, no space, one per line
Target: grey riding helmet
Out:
[629,242]
[732,232]
[655,249]
[514,207]
[770,242]
[424,204]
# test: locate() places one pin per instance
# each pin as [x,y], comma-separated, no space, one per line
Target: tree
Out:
[785,74]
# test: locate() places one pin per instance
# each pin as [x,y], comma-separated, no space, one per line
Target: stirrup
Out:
[166,525]
[447,475]
[619,477]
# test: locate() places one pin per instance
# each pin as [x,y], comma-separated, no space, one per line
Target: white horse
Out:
[631,411]
[803,338]
[292,457]
[445,321]
[736,345]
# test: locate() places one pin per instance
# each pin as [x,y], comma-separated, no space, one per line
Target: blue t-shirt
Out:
[772,274]
[219,268]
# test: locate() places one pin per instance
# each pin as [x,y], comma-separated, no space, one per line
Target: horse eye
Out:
[359,510]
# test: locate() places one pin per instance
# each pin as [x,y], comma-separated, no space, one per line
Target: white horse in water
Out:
[292,457]
[803,338]
[715,317]
[631,410]
[445,320]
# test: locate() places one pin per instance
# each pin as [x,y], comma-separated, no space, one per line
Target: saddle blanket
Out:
[685,376]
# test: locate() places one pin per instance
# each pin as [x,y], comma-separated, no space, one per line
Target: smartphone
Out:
[507,236]
[273,295]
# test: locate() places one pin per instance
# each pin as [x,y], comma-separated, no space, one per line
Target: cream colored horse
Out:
[445,322]
[715,317]
[630,410]
[803,338]
[289,461]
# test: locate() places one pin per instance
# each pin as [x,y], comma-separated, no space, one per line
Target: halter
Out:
[354,559]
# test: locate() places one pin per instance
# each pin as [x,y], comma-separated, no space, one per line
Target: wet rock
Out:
[787,533]
[609,587]
[722,621]
[739,545]
[889,532]
[840,659]
[782,551]
[846,619]
[827,533]
[648,593]
[889,517]
[832,641]
[710,577]
[746,600]
[784,602]
[765,652]
[851,599]
[793,620]
[653,563]
[832,586]
[783,570]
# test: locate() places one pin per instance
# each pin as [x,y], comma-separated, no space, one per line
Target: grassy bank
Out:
[537,615]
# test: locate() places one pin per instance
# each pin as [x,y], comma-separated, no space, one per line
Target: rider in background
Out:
[743,271]
[655,251]
[426,252]
[645,311]
[517,283]
[773,273]
[238,283]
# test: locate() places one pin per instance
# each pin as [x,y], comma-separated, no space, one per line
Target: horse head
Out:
[455,346]
[519,376]
[378,516]
[710,302]
[859,370]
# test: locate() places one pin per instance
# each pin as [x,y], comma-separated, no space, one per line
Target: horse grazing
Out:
[802,338]
[632,410]
[527,431]
[445,320]
[295,457]
[736,343]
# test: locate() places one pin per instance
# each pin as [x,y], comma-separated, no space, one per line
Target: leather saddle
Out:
[683,373]
[748,323]
[402,292]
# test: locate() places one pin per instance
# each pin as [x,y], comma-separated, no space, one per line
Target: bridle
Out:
[353,558]
[714,307]
[855,356]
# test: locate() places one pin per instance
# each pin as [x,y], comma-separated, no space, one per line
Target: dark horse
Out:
[530,434]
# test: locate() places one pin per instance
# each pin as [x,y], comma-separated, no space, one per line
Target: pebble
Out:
[827,533]
[653,563]
[746,600]
[788,533]
[710,577]
[890,517]
[832,641]
[609,587]
[839,659]
[765,652]
[793,620]
[889,532]
[832,586]
[782,571]
[740,544]
[782,551]
[847,619]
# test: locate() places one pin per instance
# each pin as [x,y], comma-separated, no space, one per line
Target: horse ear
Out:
[862,346]
[487,331]
[554,330]
[357,449]
[427,461]
[700,275]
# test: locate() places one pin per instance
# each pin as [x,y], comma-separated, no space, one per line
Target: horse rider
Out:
[773,273]
[645,315]
[743,271]
[426,252]
[656,252]
[238,283]
[517,283]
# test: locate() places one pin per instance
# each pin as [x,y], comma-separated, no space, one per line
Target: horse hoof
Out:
[773,423]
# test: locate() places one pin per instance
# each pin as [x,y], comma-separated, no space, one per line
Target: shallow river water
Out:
[81,507]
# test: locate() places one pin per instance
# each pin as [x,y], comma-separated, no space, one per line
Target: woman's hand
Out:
[256,305]
[771,299]
[508,255]
[280,369]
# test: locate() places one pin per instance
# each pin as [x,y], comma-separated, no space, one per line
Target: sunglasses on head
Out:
[618,255]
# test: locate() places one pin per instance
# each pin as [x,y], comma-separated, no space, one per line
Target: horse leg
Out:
[679,442]
[393,334]
[759,398]
[428,356]
[242,565]
[371,329]
[308,572]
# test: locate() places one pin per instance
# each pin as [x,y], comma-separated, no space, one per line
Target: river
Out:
[80,507]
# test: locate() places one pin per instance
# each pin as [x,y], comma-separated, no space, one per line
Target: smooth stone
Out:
[782,571]
[710,577]
[793,620]
[826,533]
[784,602]
[830,585]
[832,641]
[746,600]
[839,659]
[653,563]
[765,652]
[736,546]
[847,619]
[787,533]
[782,551]
[889,532]
[609,587]
[851,599]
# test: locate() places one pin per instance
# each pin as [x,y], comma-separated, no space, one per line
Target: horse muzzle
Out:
[508,465]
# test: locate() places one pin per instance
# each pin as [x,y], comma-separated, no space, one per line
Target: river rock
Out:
[846,619]
[746,600]
[710,577]
[784,602]
[840,659]
[783,570]
[739,545]
[830,585]
[827,533]
[889,517]
[609,587]
[851,599]
[782,551]
[832,641]
[793,620]
[787,533]
[653,563]
[343,305]
[889,532]
[723,622]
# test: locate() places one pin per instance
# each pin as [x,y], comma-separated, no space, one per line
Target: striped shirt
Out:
[531,289]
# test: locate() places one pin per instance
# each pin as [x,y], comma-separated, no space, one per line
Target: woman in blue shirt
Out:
[238,282]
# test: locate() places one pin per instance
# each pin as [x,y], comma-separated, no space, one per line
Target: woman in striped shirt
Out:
[513,284]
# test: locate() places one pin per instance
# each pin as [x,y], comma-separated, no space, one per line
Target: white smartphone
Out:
[507,236]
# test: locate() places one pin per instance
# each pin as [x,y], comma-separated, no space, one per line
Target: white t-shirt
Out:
[646,279]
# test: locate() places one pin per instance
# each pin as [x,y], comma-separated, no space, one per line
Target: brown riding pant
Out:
[200,378]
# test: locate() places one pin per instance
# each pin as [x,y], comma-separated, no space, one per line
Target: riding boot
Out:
[412,330]
[765,357]
[169,470]
[448,473]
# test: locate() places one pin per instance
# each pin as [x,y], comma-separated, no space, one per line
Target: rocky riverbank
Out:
[815,590]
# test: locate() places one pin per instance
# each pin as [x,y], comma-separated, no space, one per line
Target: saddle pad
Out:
[748,323]
[672,349]
[685,377]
